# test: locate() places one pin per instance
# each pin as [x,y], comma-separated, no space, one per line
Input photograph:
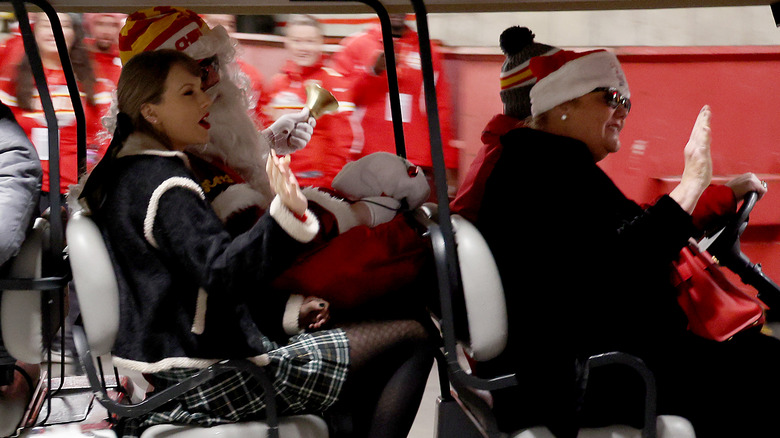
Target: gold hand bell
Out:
[319,100]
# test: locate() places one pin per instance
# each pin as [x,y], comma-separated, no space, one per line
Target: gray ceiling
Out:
[342,7]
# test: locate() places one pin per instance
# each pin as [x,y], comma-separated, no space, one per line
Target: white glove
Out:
[290,132]
[383,174]
[383,209]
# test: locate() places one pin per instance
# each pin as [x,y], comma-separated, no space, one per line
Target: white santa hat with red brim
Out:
[567,75]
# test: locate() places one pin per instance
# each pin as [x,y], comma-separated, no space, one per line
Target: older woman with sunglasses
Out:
[586,271]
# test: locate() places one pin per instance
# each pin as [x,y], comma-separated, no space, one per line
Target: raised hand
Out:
[284,184]
[698,160]
[697,174]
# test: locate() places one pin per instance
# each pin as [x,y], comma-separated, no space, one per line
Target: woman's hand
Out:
[746,183]
[314,313]
[697,174]
[284,184]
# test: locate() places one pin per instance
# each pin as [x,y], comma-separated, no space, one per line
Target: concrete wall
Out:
[751,25]
[662,27]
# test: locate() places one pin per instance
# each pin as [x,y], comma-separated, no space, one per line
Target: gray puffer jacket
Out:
[20,184]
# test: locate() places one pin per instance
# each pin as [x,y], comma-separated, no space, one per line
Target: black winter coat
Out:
[189,292]
[585,270]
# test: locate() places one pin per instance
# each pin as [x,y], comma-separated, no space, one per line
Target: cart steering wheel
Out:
[726,247]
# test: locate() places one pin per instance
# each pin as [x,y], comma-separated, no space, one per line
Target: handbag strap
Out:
[682,271]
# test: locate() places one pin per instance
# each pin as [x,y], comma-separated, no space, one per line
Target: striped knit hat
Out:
[518,45]
[163,27]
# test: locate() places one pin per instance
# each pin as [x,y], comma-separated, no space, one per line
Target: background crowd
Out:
[355,75]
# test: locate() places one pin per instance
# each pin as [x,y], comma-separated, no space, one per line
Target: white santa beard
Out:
[234,138]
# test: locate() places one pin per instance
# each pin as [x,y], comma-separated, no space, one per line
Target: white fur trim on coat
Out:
[143,144]
[292,312]
[236,198]
[339,208]
[301,231]
[177,362]
[151,209]
[162,365]
[576,78]
[199,322]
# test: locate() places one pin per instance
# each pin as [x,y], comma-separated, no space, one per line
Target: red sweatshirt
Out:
[34,123]
[469,197]
[372,114]
[328,150]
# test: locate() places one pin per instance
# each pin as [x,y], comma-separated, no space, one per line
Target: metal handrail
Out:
[56,262]
[33,55]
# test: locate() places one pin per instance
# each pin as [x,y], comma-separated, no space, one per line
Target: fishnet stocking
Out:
[389,365]
[368,340]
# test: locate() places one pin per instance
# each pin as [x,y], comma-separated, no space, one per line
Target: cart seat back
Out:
[98,294]
[482,291]
[95,280]
[487,330]
[20,310]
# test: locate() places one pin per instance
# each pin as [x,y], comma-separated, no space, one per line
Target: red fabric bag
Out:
[361,264]
[716,308]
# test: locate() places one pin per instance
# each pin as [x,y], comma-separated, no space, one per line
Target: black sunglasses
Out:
[613,98]
[209,72]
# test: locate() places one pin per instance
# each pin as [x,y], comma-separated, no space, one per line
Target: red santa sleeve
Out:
[716,202]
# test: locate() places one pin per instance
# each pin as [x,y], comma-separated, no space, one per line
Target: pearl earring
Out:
[564,117]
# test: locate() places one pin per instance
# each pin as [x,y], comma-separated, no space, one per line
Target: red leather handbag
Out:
[717,309]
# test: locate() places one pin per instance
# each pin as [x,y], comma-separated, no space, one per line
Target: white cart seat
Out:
[483,297]
[98,295]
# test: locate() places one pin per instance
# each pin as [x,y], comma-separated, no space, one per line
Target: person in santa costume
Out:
[328,150]
[191,294]
[260,96]
[230,171]
[230,165]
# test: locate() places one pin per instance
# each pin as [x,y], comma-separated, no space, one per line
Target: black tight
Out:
[389,365]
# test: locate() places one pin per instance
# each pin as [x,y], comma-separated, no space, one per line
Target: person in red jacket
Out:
[518,45]
[361,58]
[18,91]
[11,49]
[103,31]
[328,150]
